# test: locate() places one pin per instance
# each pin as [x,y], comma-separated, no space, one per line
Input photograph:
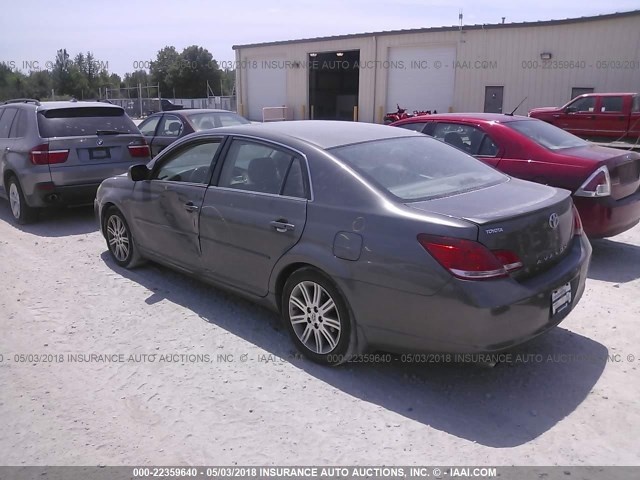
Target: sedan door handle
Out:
[282,226]
[190,207]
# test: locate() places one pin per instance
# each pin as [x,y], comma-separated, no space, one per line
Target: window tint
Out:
[417,127]
[19,126]
[471,140]
[6,121]
[611,104]
[256,167]
[148,127]
[636,104]
[416,168]
[82,121]
[170,126]
[587,104]
[191,164]
[547,135]
[294,184]
[204,121]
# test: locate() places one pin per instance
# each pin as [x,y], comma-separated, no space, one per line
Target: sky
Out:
[125,35]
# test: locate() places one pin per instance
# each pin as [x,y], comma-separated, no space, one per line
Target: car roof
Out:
[609,94]
[466,117]
[322,133]
[201,110]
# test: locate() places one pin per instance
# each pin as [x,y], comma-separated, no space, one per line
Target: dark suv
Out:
[57,153]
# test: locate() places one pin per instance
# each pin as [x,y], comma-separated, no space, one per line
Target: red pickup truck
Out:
[593,115]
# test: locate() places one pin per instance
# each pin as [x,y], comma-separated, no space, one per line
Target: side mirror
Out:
[571,109]
[138,172]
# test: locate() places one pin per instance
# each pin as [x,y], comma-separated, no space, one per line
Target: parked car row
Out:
[57,153]
[363,237]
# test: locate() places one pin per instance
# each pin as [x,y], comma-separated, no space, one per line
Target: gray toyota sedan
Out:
[364,237]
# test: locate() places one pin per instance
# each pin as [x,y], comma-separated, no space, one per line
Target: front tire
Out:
[120,242]
[21,211]
[317,317]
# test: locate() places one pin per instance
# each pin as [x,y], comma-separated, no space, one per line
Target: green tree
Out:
[197,67]
[165,69]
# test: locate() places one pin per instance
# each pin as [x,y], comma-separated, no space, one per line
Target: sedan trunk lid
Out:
[533,221]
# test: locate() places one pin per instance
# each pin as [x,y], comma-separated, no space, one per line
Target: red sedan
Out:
[605,181]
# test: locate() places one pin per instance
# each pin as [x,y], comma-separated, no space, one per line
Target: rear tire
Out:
[21,211]
[120,242]
[317,317]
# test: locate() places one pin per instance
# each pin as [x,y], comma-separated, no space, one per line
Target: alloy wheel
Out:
[314,317]
[118,238]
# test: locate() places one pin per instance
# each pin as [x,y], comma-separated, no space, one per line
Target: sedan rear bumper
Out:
[471,316]
[606,217]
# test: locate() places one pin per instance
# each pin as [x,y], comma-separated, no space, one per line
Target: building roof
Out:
[486,26]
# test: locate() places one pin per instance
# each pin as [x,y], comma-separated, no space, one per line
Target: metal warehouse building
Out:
[466,68]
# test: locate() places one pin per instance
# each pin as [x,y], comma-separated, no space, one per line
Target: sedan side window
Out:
[170,126]
[469,139]
[260,168]
[191,164]
[148,127]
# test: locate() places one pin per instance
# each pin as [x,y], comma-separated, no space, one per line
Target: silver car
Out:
[363,237]
[57,153]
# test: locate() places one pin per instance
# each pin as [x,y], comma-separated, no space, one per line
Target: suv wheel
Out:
[22,213]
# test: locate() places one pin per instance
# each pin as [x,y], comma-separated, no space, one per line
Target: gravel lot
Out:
[62,295]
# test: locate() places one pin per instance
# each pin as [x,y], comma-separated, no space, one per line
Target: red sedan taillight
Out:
[41,155]
[597,185]
[470,260]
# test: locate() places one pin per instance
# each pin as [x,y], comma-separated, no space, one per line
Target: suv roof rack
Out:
[21,100]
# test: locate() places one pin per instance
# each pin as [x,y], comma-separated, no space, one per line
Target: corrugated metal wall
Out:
[508,56]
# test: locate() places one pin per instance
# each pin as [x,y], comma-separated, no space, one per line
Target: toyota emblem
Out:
[554,220]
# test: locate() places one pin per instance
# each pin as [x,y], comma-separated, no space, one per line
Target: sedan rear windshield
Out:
[83,121]
[204,121]
[546,135]
[417,168]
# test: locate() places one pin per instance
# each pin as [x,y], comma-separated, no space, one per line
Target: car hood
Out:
[543,110]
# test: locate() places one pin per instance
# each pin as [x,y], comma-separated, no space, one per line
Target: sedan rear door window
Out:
[471,140]
[170,126]
[261,168]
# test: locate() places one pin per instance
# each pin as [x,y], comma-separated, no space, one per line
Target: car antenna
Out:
[514,110]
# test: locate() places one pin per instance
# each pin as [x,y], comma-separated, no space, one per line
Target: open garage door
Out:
[266,86]
[421,78]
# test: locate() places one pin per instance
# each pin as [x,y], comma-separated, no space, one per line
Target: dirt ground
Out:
[183,373]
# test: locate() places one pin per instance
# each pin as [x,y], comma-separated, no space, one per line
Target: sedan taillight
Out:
[597,185]
[41,155]
[470,260]
[577,222]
